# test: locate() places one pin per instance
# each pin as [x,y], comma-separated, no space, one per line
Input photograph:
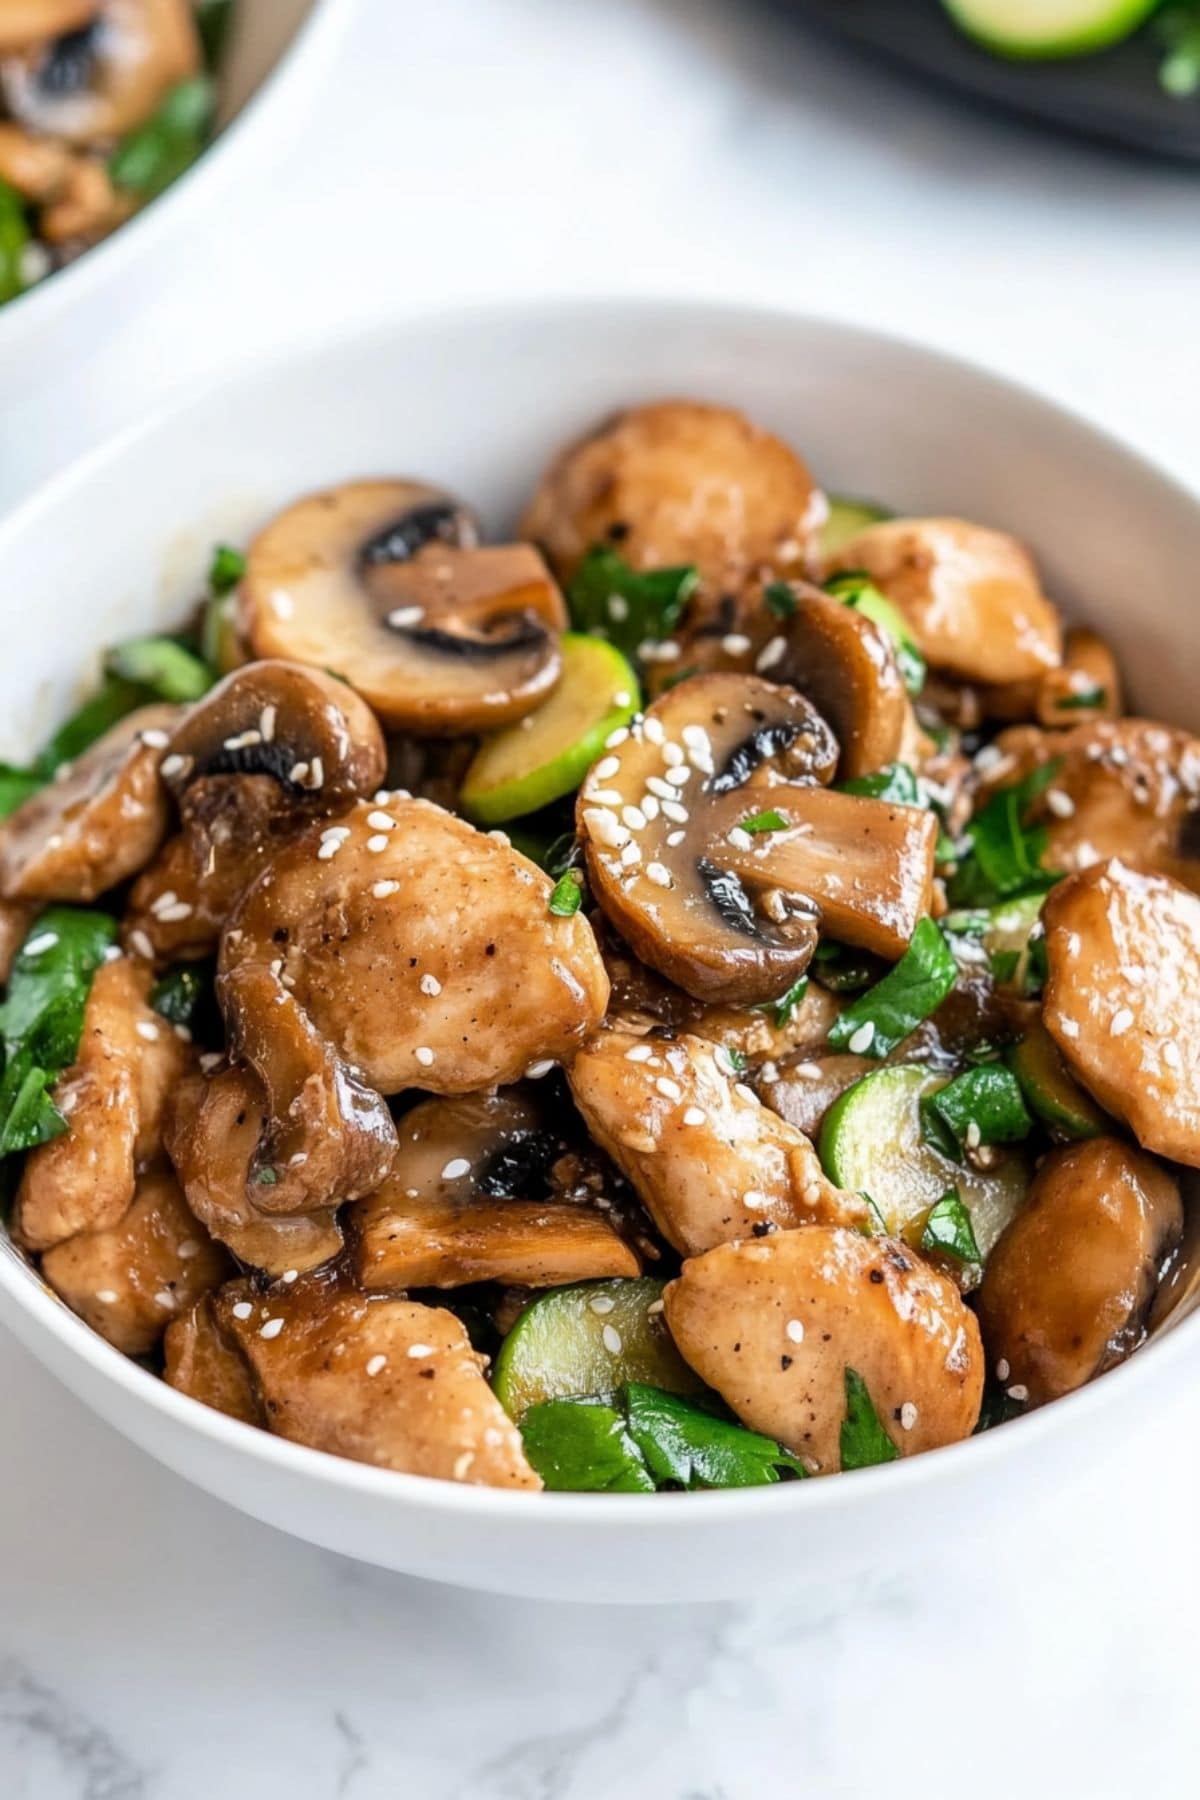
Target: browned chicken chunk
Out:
[203,1361]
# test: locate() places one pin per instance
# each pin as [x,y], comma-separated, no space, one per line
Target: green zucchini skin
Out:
[1030,30]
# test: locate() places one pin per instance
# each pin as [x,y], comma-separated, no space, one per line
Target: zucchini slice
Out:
[547,754]
[586,1341]
[1051,1091]
[846,519]
[1004,931]
[1036,28]
[871,1143]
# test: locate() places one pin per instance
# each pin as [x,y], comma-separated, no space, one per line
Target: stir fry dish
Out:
[103,103]
[702,994]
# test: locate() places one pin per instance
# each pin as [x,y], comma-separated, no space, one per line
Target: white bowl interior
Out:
[478,401]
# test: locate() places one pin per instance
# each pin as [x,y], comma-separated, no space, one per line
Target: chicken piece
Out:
[96,825]
[1122,1001]
[465,1203]
[130,1280]
[204,1363]
[382,1381]
[971,596]
[710,1162]
[113,1098]
[1127,788]
[1086,687]
[213,1131]
[774,1327]
[1069,1283]
[423,950]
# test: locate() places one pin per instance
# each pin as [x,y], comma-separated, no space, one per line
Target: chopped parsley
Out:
[984,1105]
[42,1018]
[864,1442]
[783,1008]
[948,1228]
[881,1018]
[771,820]
[567,894]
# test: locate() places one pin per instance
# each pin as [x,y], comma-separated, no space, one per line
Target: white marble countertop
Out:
[155,1646]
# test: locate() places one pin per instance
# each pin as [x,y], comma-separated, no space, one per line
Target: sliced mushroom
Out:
[200,1360]
[422,950]
[99,79]
[16,916]
[98,824]
[303,726]
[113,1098]
[1122,1002]
[803,1088]
[732,915]
[386,582]
[708,1160]
[775,1327]
[676,483]
[130,1280]
[382,1381]
[452,1212]
[845,664]
[971,595]
[214,1130]
[1068,1285]
[24,23]
[1128,788]
[1085,688]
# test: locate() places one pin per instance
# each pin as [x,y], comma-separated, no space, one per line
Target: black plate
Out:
[1115,95]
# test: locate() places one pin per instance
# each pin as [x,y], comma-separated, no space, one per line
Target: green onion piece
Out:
[858,591]
[887,1013]
[629,607]
[158,151]
[98,714]
[567,895]
[690,1447]
[948,1228]
[785,1006]
[14,239]
[864,1442]
[780,599]
[984,1105]
[896,784]
[225,570]
[764,821]
[580,1447]
[162,667]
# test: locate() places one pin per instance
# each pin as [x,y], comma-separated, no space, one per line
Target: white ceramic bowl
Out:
[478,401]
[276,53]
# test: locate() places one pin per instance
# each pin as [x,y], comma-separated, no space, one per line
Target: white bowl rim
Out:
[45,300]
[610,1513]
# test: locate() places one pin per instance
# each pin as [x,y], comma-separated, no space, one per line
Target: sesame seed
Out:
[753,1201]
[1060,804]
[735,643]
[500,837]
[271,1329]
[154,740]
[147,1030]
[1002,1370]
[210,1060]
[106,1296]
[266,723]
[658,786]
[244,741]
[675,838]
[634,817]
[770,654]
[164,1297]
[401,617]
[282,605]
[424,1055]
[537,1070]
[377,1363]
[382,889]
[863,1038]
[298,773]
[377,844]
[1120,1022]
[659,874]
[667,651]
[973,1136]
[328,848]
[908,1416]
[1018,1391]
[456,1168]
[794,1330]
[430,985]
[653,730]
[316,773]
[340,832]
[670,1090]
[182,1033]
[616,737]
[606,796]
[611,1339]
[170,766]
[639,1053]
[605,827]
[381,821]
[1069,1028]
[745,1093]
[631,854]
[187,1249]
[45,940]
[175,913]
[289,1275]
[672,755]
[655,1308]
[695,1115]
[650,806]
[677,814]
[602,1303]
[462,1465]
[606,768]
[618,608]
[1171,1055]
[741,840]
[679,775]
[807,1071]
[415,1350]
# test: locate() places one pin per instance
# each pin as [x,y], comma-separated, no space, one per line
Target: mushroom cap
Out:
[301,725]
[25,23]
[678,482]
[96,825]
[133,53]
[845,664]
[774,1326]
[1122,1001]
[971,595]
[385,582]
[1068,1284]
[423,950]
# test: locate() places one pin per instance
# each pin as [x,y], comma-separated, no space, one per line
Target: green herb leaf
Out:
[28,1116]
[627,606]
[158,151]
[987,1099]
[858,591]
[864,1442]
[162,667]
[17,786]
[183,993]
[1006,854]
[14,238]
[1085,700]
[780,599]
[895,1006]
[42,1018]
[567,895]
[764,821]
[580,1447]
[267,1177]
[98,714]
[225,570]
[948,1227]
[785,1006]
[896,784]
[684,1444]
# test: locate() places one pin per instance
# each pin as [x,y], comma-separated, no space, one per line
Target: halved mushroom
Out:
[385,581]
[382,1381]
[708,1160]
[214,1129]
[1128,788]
[971,595]
[1069,1283]
[846,665]
[732,914]
[130,1280]
[99,823]
[678,482]
[98,79]
[423,951]
[1086,687]
[462,1205]
[1122,1002]
[775,1327]
[113,1098]
[24,23]
[202,1361]
[304,727]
